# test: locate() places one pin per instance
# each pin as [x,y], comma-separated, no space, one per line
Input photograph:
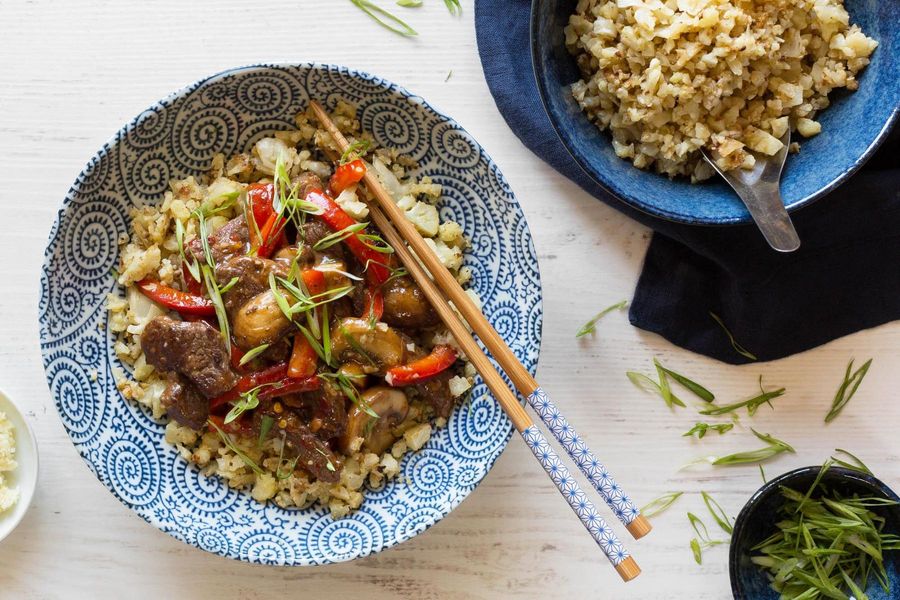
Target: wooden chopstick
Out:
[612,547]
[599,476]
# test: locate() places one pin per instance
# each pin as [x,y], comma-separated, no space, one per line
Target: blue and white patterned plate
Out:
[124,446]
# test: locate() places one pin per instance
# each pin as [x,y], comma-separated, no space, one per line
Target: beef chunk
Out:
[194,349]
[313,455]
[184,403]
[252,275]
[232,238]
[436,392]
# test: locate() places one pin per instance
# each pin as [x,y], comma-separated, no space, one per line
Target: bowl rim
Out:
[771,486]
[183,90]
[608,186]
[26,495]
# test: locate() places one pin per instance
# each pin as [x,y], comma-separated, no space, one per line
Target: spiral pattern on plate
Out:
[133,469]
[344,539]
[267,548]
[429,475]
[201,134]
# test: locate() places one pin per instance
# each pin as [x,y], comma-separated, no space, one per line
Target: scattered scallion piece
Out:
[247,401]
[253,353]
[338,236]
[355,150]
[658,505]
[762,473]
[231,283]
[385,18]
[752,404]
[826,545]
[718,513]
[645,383]
[773,448]
[212,288]
[449,75]
[697,389]
[701,429]
[237,451]
[856,465]
[734,344]
[409,3]
[590,326]
[847,389]
[454,7]
[702,541]
[265,426]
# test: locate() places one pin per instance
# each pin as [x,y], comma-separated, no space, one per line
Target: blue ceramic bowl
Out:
[756,522]
[852,127]
[123,445]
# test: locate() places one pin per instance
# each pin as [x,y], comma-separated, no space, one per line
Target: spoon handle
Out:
[763,200]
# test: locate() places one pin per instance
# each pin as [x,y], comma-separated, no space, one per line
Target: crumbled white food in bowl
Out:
[8,495]
[669,77]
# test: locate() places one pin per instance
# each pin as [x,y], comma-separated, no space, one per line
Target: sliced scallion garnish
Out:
[734,344]
[658,505]
[591,326]
[751,404]
[701,429]
[847,389]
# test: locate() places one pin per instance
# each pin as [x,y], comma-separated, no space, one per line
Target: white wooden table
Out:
[72,72]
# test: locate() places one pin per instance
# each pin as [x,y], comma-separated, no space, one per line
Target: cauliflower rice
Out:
[152,250]
[8,495]
[669,77]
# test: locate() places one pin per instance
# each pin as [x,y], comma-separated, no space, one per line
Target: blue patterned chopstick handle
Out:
[593,469]
[572,492]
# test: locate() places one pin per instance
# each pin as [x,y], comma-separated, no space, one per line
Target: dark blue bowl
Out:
[757,519]
[852,127]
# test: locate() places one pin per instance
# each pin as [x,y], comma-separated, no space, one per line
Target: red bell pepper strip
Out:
[290,385]
[250,381]
[304,357]
[193,286]
[272,234]
[375,263]
[440,359]
[346,175]
[374,304]
[260,196]
[182,302]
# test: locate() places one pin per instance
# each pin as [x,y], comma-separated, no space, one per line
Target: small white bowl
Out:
[25,474]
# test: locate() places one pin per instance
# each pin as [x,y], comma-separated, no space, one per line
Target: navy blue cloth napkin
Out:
[845,277]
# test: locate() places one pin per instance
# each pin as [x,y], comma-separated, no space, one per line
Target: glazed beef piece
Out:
[184,403]
[194,349]
[405,305]
[313,232]
[313,455]
[436,392]
[329,415]
[253,279]
[232,238]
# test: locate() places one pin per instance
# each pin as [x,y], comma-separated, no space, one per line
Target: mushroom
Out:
[375,347]
[355,373]
[405,305]
[259,321]
[391,406]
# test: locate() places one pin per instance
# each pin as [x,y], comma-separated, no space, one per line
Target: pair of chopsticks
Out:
[399,232]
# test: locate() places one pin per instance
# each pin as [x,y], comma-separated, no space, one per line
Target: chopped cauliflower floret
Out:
[425,218]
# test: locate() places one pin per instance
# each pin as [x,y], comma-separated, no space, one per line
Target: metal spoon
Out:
[759,189]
